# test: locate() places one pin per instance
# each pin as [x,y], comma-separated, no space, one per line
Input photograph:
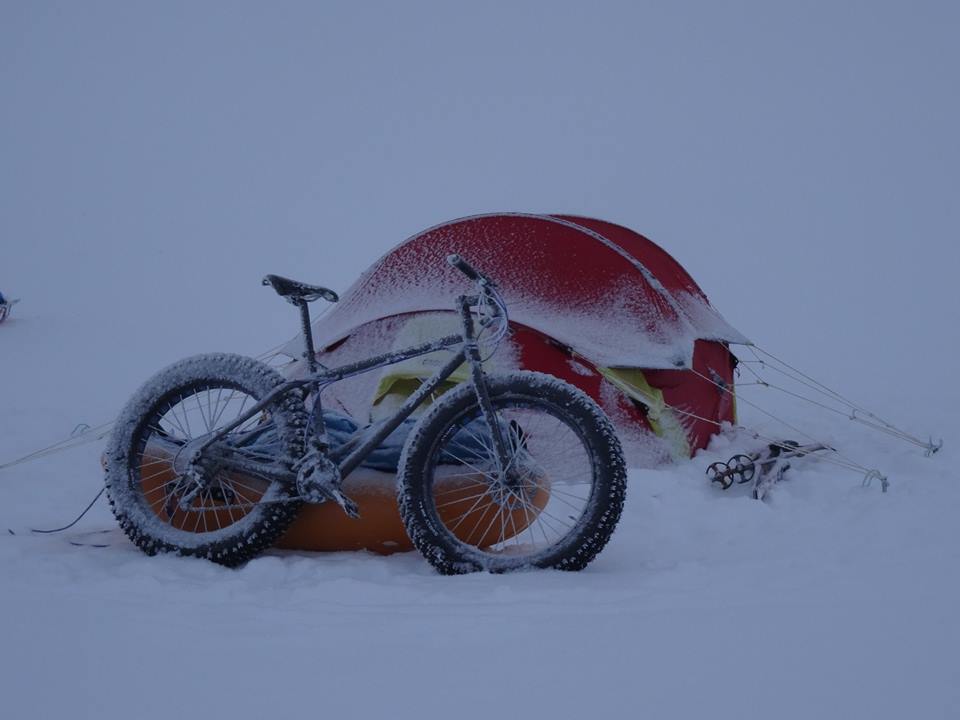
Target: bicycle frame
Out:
[349,456]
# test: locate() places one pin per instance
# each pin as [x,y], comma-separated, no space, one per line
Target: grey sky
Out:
[801,159]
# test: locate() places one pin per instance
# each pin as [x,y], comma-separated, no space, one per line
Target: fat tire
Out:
[579,547]
[259,528]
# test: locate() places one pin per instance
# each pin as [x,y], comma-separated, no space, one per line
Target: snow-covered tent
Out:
[591,302]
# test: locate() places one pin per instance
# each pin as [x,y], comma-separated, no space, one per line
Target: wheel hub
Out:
[189,456]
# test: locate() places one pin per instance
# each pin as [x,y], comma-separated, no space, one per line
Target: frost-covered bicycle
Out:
[214,455]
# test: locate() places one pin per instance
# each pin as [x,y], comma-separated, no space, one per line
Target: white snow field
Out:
[801,160]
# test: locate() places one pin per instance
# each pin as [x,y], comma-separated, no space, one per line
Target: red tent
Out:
[591,302]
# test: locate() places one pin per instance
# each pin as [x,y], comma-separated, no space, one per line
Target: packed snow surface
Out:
[799,160]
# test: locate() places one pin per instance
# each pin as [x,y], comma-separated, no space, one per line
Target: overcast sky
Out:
[801,159]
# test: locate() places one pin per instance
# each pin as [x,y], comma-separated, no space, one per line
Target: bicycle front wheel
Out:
[554,505]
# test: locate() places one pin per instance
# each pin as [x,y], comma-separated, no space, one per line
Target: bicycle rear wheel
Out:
[557,503]
[163,503]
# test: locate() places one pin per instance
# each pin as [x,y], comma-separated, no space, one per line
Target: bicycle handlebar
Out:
[488,288]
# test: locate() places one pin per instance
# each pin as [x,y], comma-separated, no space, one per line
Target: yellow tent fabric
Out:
[663,420]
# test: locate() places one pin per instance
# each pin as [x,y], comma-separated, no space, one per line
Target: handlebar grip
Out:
[463,266]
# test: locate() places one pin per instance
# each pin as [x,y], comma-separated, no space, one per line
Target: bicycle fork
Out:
[471,351]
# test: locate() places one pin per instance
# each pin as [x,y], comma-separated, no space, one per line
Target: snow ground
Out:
[800,162]
[831,600]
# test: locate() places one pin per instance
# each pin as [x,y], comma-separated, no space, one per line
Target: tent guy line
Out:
[856,413]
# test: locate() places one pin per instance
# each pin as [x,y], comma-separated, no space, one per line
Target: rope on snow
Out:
[84,437]
[75,520]
[84,434]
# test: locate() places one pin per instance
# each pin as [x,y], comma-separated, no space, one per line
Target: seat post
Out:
[309,354]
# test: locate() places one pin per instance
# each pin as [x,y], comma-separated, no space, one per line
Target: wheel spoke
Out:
[461,500]
[467,514]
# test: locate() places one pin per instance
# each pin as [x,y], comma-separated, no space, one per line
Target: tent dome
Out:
[604,291]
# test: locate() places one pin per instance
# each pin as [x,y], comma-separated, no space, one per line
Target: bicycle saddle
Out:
[295,291]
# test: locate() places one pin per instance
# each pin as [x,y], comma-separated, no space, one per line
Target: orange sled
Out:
[325,527]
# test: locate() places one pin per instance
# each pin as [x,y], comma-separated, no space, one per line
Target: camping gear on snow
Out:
[606,309]
[214,456]
[591,302]
[765,467]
